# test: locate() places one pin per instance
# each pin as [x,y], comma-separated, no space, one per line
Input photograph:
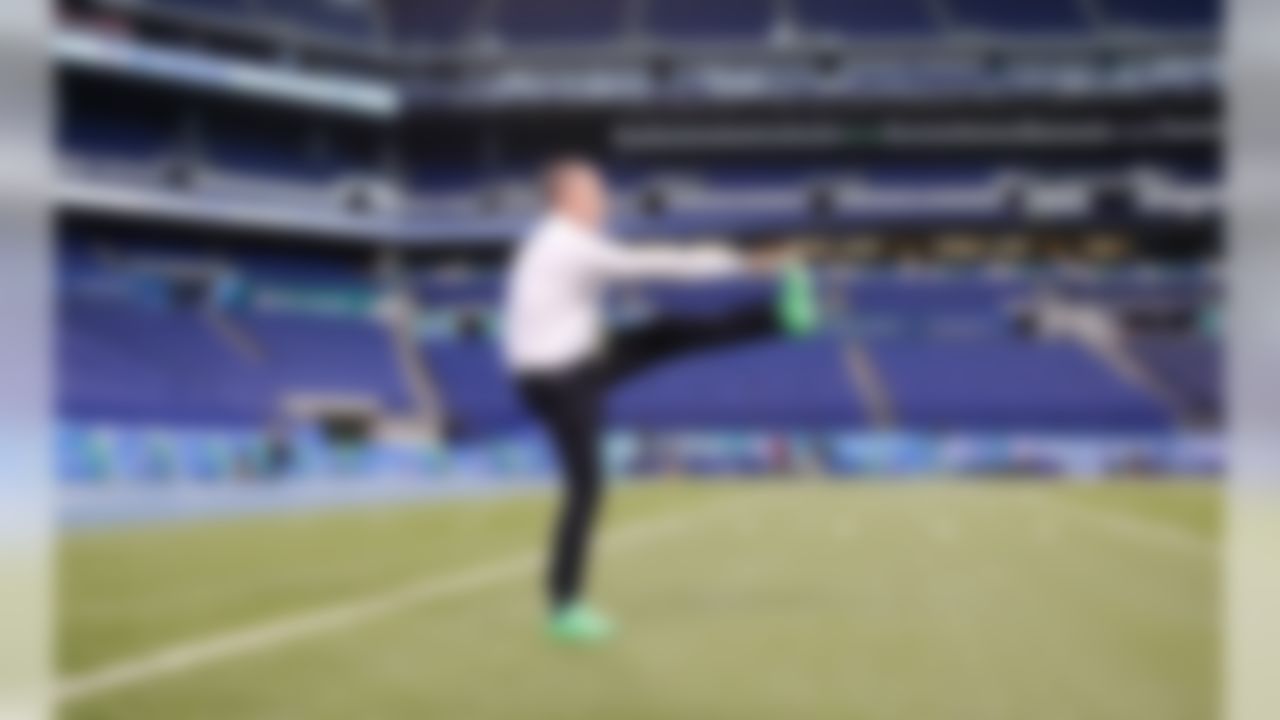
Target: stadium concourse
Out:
[283,229]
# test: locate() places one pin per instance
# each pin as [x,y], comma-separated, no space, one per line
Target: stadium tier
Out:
[1164,14]
[800,386]
[559,21]
[254,151]
[476,387]
[126,361]
[518,23]
[710,20]
[1192,365]
[97,129]
[953,351]
[328,355]
[230,8]
[353,21]
[890,18]
[1041,16]
[278,168]
[433,22]
[1002,385]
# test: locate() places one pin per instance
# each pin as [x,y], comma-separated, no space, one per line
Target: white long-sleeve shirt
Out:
[554,306]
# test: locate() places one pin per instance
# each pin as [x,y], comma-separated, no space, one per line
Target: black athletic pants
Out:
[570,403]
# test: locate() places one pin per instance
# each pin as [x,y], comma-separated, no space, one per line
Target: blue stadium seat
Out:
[282,267]
[264,264]
[268,161]
[925,175]
[223,9]
[119,361]
[125,363]
[352,20]
[759,176]
[485,289]
[865,17]
[432,22]
[1190,366]
[682,20]
[1037,16]
[477,388]
[523,22]
[446,179]
[1168,14]
[1168,293]
[276,153]
[769,385]
[329,355]
[909,297]
[97,133]
[1010,385]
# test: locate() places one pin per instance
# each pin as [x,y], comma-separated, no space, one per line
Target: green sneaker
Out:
[578,624]
[797,305]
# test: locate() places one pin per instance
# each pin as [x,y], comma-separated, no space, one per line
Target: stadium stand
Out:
[130,362]
[477,389]
[519,23]
[267,151]
[328,355]
[1191,365]
[866,17]
[532,22]
[1041,16]
[933,293]
[473,289]
[218,8]
[350,20]
[795,385]
[1164,14]
[681,21]
[801,386]
[913,322]
[1004,384]
[146,358]
[122,132]
[432,22]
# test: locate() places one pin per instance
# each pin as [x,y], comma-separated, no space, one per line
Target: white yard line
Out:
[275,633]
[1152,534]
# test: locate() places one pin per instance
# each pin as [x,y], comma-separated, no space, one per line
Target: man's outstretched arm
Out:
[621,261]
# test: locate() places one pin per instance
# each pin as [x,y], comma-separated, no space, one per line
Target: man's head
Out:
[575,188]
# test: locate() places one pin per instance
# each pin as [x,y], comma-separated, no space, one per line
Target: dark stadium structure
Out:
[283,226]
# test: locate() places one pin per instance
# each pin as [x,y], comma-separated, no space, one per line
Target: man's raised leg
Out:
[794,311]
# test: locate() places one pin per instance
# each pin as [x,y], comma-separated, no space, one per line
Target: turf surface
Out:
[786,600]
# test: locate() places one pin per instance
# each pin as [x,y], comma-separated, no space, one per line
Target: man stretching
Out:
[565,360]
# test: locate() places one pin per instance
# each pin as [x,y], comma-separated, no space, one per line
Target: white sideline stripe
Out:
[1145,531]
[275,633]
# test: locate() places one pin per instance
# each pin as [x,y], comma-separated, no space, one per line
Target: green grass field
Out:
[786,600]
